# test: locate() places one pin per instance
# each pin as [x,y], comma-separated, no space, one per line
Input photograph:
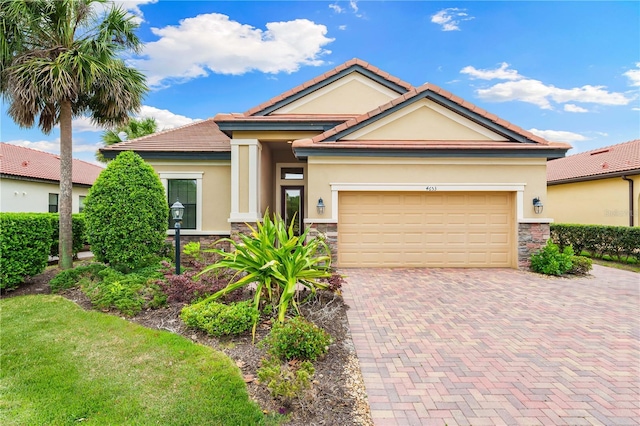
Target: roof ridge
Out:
[334,71]
[33,149]
[161,132]
[602,148]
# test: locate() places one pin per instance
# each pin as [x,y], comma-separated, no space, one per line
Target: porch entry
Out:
[292,205]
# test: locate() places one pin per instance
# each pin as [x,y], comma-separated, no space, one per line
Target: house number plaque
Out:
[432,188]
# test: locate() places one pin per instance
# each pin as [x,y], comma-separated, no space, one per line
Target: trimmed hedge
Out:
[25,242]
[598,240]
[78,227]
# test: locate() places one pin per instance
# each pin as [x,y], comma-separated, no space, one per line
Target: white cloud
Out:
[342,27]
[84,124]
[500,73]
[336,8]
[537,93]
[165,118]
[559,135]
[635,109]
[449,19]
[634,75]
[214,43]
[353,4]
[132,6]
[574,108]
[53,146]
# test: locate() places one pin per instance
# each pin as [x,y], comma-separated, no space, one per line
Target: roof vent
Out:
[25,163]
[602,151]
[605,165]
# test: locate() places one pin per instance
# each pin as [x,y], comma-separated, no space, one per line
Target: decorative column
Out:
[245,188]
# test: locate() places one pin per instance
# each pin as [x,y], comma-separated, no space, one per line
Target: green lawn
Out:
[62,365]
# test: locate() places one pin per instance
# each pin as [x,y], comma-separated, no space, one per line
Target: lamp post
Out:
[177,210]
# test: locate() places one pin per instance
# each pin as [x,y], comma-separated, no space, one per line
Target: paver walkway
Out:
[492,347]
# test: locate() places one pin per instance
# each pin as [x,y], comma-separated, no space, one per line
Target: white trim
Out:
[196,232]
[331,87]
[518,188]
[244,217]
[422,187]
[197,176]
[535,220]
[253,177]
[455,117]
[180,175]
[427,161]
[235,179]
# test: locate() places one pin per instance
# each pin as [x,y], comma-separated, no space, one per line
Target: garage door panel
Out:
[426,229]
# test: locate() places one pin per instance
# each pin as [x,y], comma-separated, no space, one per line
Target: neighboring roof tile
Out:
[201,136]
[318,80]
[415,92]
[30,163]
[599,162]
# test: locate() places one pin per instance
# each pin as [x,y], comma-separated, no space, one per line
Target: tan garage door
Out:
[435,229]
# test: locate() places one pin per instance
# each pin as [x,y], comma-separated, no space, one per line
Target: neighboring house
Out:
[599,187]
[30,180]
[391,174]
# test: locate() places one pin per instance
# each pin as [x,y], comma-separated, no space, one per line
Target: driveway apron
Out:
[497,346]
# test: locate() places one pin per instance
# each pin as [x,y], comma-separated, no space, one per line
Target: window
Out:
[81,203]
[53,203]
[184,190]
[289,173]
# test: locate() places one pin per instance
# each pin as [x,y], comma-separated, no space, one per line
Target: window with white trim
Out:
[186,191]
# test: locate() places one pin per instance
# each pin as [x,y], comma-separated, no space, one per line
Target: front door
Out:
[293,206]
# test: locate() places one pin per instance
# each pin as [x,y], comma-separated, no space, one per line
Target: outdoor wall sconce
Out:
[177,210]
[320,206]
[537,205]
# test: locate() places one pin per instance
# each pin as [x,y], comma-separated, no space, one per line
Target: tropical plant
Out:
[59,59]
[126,213]
[134,128]
[277,260]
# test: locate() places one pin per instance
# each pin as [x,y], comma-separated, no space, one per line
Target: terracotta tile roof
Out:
[323,77]
[614,159]
[30,163]
[319,139]
[201,136]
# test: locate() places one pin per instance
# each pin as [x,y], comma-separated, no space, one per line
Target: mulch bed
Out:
[338,395]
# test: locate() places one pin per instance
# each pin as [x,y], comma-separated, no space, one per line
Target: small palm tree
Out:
[59,60]
[134,128]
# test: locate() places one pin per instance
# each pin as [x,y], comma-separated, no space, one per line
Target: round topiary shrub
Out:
[126,213]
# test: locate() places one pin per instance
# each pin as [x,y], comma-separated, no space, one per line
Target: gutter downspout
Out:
[631,212]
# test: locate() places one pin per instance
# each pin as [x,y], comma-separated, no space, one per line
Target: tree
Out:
[59,60]
[126,213]
[134,128]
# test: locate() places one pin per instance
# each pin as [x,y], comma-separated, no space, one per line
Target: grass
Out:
[61,365]
[628,264]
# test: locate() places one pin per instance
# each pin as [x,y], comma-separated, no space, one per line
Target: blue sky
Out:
[568,71]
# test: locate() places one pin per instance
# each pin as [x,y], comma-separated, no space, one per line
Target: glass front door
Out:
[293,206]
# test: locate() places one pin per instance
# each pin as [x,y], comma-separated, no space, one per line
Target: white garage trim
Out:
[518,188]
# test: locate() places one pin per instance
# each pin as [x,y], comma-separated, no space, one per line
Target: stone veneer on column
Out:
[330,233]
[531,238]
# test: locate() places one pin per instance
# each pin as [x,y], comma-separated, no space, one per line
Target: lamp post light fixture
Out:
[320,206]
[177,210]
[537,205]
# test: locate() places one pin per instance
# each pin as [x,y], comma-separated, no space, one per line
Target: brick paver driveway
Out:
[490,347]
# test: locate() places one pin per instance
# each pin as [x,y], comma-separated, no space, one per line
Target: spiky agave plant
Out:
[277,260]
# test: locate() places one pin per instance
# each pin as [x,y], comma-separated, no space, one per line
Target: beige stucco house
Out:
[598,187]
[393,175]
[30,180]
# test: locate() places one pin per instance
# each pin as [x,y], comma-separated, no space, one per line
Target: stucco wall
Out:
[595,202]
[216,191]
[351,94]
[32,197]
[323,171]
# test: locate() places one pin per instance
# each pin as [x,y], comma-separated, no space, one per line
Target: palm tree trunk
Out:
[66,187]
